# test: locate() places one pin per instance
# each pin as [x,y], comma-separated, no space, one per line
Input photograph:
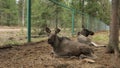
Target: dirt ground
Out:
[37,55]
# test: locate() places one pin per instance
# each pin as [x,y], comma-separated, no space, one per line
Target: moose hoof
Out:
[52,54]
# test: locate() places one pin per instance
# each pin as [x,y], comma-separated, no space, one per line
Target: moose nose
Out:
[49,40]
[92,33]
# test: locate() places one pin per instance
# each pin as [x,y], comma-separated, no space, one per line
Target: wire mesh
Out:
[46,13]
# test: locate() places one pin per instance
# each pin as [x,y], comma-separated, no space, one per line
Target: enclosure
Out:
[54,14]
[23,40]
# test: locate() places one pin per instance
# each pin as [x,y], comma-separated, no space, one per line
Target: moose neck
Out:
[56,42]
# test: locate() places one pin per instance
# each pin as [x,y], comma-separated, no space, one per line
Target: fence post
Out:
[29,20]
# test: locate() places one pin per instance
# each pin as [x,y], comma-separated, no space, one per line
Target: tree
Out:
[114,30]
[119,14]
[114,33]
[8,12]
[21,11]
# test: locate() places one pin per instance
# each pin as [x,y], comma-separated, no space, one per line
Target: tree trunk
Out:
[23,12]
[114,28]
[119,13]
[114,33]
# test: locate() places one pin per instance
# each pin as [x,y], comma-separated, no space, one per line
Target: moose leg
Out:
[82,56]
[52,53]
[92,56]
[57,56]
[67,55]
[96,45]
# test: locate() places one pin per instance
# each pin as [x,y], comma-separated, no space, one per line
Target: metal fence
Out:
[68,22]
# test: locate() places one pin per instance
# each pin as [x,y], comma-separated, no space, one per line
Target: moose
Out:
[82,37]
[64,47]
[86,40]
[85,32]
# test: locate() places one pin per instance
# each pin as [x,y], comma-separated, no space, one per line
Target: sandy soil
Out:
[37,55]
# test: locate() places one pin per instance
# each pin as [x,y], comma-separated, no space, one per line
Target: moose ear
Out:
[48,30]
[57,30]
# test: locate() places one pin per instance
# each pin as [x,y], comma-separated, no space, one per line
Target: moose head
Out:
[52,37]
[85,32]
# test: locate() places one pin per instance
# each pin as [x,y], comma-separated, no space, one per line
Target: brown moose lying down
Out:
[64,47]
[83,37]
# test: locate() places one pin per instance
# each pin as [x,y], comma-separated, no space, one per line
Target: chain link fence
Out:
[52,15]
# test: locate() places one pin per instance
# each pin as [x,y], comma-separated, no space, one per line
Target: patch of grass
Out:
[12,43]
[38,39]
[101,38]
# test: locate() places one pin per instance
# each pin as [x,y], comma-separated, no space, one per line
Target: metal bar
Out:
[54,1]
[29,20]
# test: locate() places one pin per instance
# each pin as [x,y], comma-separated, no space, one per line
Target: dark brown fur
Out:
[85,32]
[63,46]
[83,39]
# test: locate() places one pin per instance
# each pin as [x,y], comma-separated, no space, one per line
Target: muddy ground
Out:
[37,55]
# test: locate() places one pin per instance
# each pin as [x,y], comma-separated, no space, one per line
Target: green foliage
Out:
[46,12]
[8,12]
